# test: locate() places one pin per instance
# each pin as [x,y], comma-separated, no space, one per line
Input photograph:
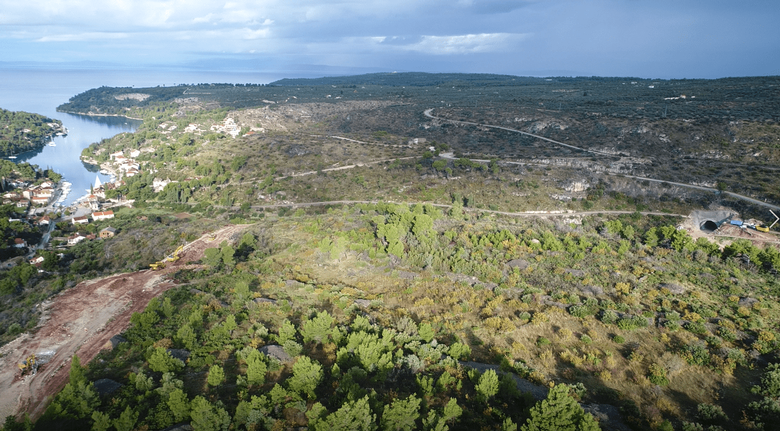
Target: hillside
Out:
[410,255]
[718,133]
[23,131]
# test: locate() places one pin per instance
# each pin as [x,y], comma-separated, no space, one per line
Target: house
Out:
[159,184]
[108,232]
[20,243]
[44,221]
[112,156]
[44,192]
[94,203]
[40,200]
[37,260]
[135,153]
[76,238]
[80,220]
[102,215]
[24,203]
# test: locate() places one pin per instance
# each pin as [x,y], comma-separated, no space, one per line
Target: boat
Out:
[104,172]
[11,157]
[52,144]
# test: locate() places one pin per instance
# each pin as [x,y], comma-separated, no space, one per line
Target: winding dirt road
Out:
[429,113]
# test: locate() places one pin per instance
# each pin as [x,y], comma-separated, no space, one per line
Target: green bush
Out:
[657,375]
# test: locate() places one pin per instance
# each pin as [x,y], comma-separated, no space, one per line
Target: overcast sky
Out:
[642,38]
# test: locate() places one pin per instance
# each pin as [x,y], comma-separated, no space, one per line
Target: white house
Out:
[76,238]
[102,215]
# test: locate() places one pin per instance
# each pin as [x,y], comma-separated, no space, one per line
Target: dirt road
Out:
[429,113]
[81,321]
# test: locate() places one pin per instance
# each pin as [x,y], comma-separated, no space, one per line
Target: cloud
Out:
[206,18]
[493,6]
[596,37]
[466,43]
[82,37]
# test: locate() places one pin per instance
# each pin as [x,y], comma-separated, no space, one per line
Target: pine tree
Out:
[206,417]
[76,371]
[216,376]
[287,331]
[401,414]
[307,375]
[317,329]
[559,412]
[126,420]
[161,361]
[256,368]
[352,416]
[488,385]
[100,421]
[179,404]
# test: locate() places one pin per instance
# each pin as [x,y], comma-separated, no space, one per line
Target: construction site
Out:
[726,225]
[81,321]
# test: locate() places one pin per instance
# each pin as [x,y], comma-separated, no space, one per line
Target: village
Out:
[39,221]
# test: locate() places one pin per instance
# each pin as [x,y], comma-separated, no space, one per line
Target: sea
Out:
[40,89]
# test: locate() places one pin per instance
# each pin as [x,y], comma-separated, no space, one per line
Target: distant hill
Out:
[413,79]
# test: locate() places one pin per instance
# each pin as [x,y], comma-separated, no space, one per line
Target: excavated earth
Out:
[81,321]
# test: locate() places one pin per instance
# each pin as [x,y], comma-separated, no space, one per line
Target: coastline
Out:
[61,131]
[93,114]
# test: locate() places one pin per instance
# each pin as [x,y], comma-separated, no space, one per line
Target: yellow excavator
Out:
[157,265]
[173,257]
[29,365]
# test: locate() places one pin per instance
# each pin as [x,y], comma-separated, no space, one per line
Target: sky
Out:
[304,38]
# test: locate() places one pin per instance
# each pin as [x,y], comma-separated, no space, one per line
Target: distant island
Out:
[23,131]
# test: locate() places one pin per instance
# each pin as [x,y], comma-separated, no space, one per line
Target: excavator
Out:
[173,257]
[29,365]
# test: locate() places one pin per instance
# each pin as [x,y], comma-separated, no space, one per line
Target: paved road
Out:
[429,113]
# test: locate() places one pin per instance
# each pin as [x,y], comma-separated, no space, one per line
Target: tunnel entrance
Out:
[709,226]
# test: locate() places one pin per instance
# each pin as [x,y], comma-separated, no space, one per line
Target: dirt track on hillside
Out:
[81,321]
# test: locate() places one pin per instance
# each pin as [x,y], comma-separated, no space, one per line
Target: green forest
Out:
[23,131]
[361,318]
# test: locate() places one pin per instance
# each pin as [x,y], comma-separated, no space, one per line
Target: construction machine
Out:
[173,257]
[29,365]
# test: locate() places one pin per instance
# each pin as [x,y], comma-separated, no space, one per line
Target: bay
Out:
[41,89]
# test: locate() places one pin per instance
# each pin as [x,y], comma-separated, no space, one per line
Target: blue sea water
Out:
[42,89]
